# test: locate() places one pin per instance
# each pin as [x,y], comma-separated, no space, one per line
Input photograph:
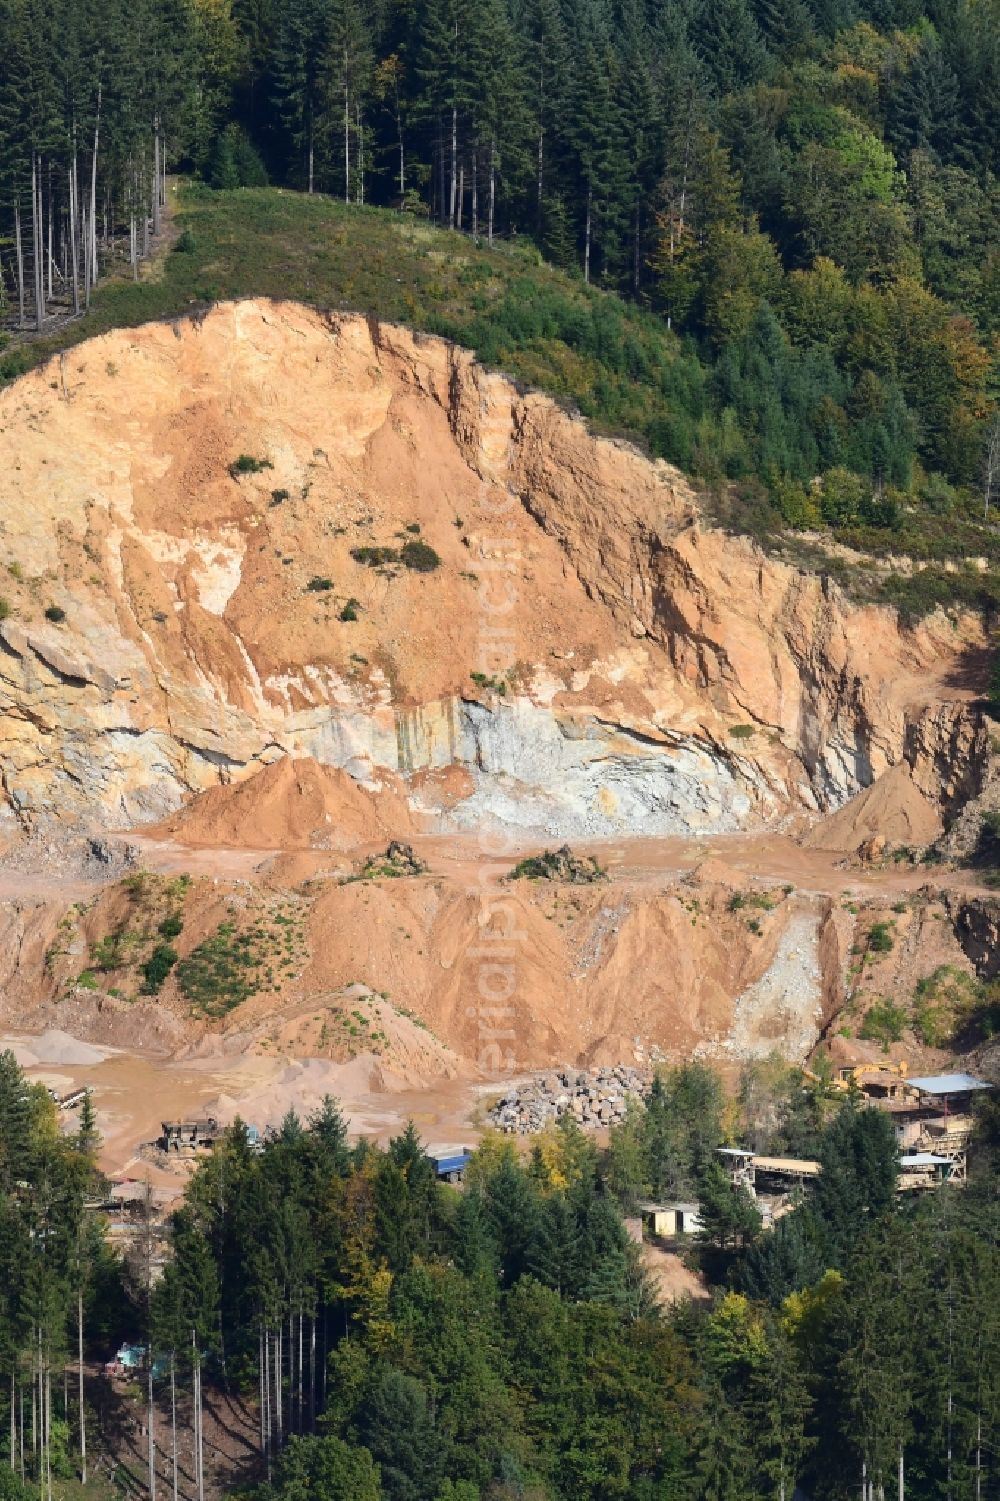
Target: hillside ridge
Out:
[214,617]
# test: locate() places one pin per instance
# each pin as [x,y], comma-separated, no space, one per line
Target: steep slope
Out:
[594,658]
[436,975]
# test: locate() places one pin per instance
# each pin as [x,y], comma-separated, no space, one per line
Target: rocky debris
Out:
[597,1098]
[873,851]
[783,1011]
[110,858]
[57,855]
[559,865]
[399,860]
[404,856]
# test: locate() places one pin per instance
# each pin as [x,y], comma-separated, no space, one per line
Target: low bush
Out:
[224,970]
[942,1004]
[884,1023]
[247,464]
[559,865]
[880,939]
[56,614]
[375,557]
[157,967]
[419,557]
[492,684]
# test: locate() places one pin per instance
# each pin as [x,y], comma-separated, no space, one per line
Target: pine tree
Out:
[730,44]
[297,71]
[923,107]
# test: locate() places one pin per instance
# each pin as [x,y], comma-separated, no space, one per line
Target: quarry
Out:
[286,591]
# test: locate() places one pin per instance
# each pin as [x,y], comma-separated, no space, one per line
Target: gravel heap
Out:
[597,1097]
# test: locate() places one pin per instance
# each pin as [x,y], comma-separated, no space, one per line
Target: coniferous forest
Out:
[803,194]
[398,1338]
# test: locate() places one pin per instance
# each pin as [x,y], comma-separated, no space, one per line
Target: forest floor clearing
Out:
[118,1440]
[64,327]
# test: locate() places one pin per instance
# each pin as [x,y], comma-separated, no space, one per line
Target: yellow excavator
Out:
[854,1073]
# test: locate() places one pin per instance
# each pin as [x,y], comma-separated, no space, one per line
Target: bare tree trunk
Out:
[20,263]
[85,254]
[156,178]
[151,1436]
[51,217]
[902,1476]
[95,269]
[278,1414]
[267,1400]
[475,198]
[260,1393]
[586,242]
[13,1427]
[312,1371]
[83,1415]
[402,159]
[301,1383]
[454,163]
[90,215]
[360,154]
[48,1431]
[312,156]
[991,466]
[540,175]
[144,206]
[37,241]
[461,196]
[347,145]
[73,229]
[198,1421]
[635,252]
[493,188]
[173,1417]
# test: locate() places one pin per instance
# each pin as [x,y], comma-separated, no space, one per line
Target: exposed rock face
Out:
[977,928]
[201,638]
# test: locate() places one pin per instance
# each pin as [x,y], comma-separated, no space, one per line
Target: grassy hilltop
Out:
[619,365]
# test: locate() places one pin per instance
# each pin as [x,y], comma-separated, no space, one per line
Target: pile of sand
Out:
[295,803]
[55,1047]
[893,807]
[302,1086]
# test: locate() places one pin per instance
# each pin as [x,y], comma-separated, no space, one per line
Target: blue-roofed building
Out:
[937,1085]
[449,1166]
